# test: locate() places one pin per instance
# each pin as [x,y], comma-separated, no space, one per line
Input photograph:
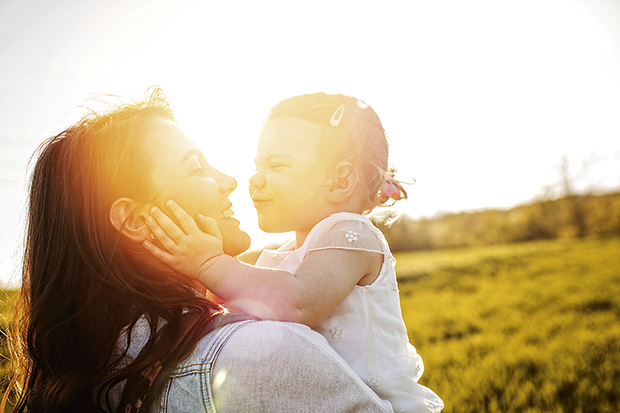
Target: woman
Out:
[97,309]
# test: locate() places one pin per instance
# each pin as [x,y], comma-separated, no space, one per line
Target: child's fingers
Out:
[188,225]
[167,224]
[209,226]
[168,237]
[157,252]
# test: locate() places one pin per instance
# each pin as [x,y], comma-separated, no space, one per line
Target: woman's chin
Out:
[236,243]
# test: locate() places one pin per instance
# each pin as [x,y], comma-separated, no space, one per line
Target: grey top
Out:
[262,366]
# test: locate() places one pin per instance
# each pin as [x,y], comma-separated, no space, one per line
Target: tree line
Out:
[571,216]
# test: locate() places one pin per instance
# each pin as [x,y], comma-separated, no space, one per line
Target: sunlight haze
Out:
[481,100]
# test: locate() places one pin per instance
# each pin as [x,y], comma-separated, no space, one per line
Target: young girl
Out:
[322,163]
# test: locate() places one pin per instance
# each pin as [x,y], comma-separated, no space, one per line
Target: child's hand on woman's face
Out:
[186,249]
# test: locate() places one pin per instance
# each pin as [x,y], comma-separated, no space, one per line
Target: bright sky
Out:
[480,99]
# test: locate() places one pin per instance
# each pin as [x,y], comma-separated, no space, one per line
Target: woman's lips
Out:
[227,213]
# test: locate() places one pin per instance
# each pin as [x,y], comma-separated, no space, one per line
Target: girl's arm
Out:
[319,285]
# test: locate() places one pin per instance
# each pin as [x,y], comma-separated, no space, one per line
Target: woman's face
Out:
[181,172]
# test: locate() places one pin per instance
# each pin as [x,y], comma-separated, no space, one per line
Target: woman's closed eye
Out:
[200,171]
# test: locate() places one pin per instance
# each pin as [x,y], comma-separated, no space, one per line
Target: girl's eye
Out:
[200,171]
[271,166]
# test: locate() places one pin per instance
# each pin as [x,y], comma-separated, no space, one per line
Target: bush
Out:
[575,216]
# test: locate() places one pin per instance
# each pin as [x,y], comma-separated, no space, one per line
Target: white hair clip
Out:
[335,122]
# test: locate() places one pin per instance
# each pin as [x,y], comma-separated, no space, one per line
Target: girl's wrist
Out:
[207,271]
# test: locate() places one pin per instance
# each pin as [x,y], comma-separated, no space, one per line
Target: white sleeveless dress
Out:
[367,329]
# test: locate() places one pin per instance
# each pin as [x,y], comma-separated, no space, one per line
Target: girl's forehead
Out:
[288,136]
[291,126]
[293,131]
[293,134]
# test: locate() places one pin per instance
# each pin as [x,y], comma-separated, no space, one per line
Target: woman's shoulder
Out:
[286,366]
[265,336]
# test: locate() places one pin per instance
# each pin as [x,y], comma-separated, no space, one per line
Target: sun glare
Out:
[480,99]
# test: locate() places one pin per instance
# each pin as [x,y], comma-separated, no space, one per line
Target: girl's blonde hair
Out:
[354,130]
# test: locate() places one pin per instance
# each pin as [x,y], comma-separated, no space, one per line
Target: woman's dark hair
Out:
[81,283]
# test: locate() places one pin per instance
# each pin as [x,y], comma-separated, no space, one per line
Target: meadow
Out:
[526,327]
[529,327]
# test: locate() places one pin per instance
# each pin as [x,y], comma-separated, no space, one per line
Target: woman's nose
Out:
[226,183]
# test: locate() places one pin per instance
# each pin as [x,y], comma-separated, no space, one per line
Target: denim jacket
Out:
[262,366]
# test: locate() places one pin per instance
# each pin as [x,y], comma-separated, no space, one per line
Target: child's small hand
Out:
[185,249]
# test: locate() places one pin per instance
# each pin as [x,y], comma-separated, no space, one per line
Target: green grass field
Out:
[7,299]
[531,327]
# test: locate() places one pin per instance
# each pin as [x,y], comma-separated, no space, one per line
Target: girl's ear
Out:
[344,182]
[128,217]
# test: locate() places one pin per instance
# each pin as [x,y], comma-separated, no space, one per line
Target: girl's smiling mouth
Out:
[259,201]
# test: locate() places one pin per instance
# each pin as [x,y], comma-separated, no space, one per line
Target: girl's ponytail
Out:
[391,189]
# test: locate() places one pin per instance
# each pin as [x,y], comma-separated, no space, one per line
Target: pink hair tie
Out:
[391,190]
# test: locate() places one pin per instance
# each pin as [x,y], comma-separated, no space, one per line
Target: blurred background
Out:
[487,104]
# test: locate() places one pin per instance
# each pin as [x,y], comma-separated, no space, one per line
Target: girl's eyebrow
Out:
[190,153]
[271,156]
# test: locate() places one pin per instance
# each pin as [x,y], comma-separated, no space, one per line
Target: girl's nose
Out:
[256,181]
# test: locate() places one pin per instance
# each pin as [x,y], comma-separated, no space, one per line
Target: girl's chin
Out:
[269,227]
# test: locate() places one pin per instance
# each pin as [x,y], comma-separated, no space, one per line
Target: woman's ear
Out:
[128,217]
[344,182]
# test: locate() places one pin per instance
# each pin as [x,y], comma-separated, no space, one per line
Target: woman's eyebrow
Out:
[190,153]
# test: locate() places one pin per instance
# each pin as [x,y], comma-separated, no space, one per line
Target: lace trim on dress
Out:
[351,235]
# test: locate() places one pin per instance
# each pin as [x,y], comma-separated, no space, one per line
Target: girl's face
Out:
[291,185]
